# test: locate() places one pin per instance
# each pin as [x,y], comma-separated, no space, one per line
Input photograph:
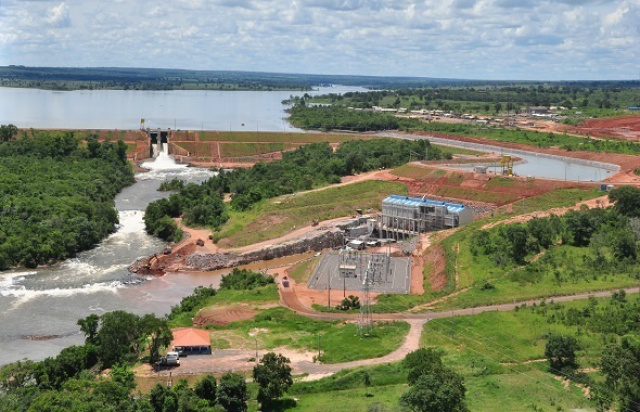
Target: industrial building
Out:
[403,216]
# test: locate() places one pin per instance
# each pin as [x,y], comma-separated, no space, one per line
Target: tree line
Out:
[56,195]
[307,167]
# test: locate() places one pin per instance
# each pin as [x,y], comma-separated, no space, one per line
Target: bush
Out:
[242,279]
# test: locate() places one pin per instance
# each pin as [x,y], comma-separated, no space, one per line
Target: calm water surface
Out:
[123,109]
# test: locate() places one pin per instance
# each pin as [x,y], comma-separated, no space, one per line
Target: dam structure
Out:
[158,141]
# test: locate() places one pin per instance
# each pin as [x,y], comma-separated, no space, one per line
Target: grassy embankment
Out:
[500,355]
[246,144]
[279,137]
[272,218]
[395,303]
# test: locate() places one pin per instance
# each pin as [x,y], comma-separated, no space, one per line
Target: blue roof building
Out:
[404,216]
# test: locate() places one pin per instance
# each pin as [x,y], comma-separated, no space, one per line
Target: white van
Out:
[173,358]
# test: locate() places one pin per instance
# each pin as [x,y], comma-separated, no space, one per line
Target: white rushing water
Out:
[39,308]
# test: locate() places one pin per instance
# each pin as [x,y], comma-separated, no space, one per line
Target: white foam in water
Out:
[163,162]
[131,221]
[26,295]
[8,280]
[164,166]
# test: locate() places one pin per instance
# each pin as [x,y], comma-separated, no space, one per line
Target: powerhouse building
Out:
[404,216]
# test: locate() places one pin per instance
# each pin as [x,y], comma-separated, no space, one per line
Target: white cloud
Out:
[516,39]
[58,16]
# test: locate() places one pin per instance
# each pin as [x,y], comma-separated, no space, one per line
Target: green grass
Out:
[455,178]
[278,137]
[250,149]
[417,172]
[457,150]
[501,342]
[275,217]
[203,149]
[560,198]
[259,296]
[476,195]
[302,272]
[339,343]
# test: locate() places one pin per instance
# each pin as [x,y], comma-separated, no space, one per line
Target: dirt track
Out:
[301,362]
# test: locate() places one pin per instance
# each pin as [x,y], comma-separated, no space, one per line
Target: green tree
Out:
[119,337]
[624,246]
[273,374]
[8,132]
[440,392]
[621,368]
[157,396]
[232,392]
[158,334]
[560,350]
[89,326]
[206,389]
[627,200]
[424,361]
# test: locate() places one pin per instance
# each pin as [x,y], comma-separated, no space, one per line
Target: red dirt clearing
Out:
[626,127]
[224,315]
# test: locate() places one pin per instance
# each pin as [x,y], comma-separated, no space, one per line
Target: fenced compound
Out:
[345,270]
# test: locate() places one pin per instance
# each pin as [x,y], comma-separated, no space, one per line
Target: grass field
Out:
[275,217]
[457,150]
[418,173]
[489,350]
[279,137]
[559,198]
[238,149]
[340,342]
[476,195]
[204,149]
[303,271]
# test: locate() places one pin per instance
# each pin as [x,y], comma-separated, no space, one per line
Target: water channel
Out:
[532,164]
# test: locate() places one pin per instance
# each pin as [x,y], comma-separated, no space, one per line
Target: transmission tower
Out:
[377,271]
[365,318]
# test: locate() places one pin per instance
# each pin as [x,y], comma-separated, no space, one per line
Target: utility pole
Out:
[328,289]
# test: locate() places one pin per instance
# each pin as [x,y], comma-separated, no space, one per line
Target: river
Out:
[39,308]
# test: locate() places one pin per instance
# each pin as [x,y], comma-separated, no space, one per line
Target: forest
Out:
[307,167]
[495,98]
[57,195]
[341,118]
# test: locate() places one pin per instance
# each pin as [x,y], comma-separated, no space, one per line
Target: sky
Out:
[470,39]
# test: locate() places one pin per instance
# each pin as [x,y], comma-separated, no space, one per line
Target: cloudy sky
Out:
[479,39]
